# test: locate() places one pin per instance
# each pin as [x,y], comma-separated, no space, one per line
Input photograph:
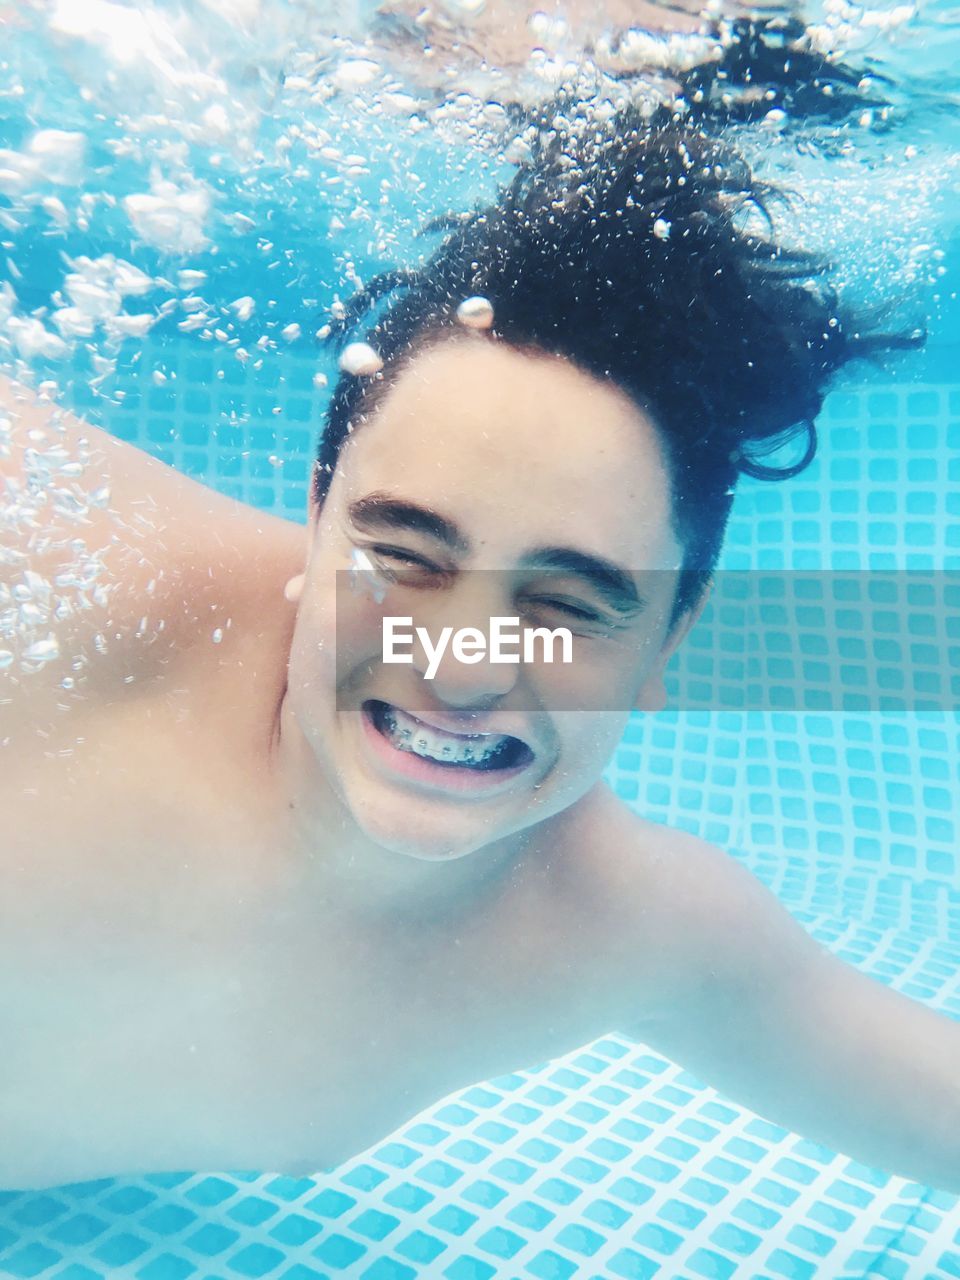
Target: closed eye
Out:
[572,610]
[409,567]
[406,557]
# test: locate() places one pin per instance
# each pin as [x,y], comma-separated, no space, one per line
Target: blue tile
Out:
[811,1241]
[120,1249]
[585,1170]
[606,1214]
[455,1115]
[632,1265]
[705,1262]
[128,1199]
[657,1239]
[79,1230]
[388,1269]
[768,1189]
[580,1239]
[295,1229]
[398,1154]
[211,1191]
[850,1193]
[681,1214]
[530,1216]
[499,1241]
[30,1260]
[167,1219]
[758,1215]
[521,1114]
[330,1203]
[783,1263]
[453,1219]
[364,1177]
[493,1131]
[212,1238]
[484,1193]
[426,1134]
[37,1211]
[734,1239]
[469,1268]
[440,1173]
[289,1188]
[559,1191]
[551,1266]
[564,1131]
[420,1247]
[337,1251]
[704,1191]
[635,1193]
[408,1197]
[468,1151]
[656,1170]
[166,1266]
[374,1224]
[514,1171]
[256,1260]
[537,1149]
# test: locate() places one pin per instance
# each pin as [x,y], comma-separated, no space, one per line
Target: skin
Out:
[231,938]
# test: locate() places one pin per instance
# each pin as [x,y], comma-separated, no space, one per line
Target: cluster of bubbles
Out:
[282,150]
[43,509]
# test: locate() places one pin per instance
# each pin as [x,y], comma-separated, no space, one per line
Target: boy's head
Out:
[635,251]
[646,347]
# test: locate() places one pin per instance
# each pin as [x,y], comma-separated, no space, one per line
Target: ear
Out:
[653,692]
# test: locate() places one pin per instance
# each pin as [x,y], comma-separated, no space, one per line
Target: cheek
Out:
[590,738]
[603,677]
[354,636]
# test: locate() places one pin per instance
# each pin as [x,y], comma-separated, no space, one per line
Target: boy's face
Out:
[511,456]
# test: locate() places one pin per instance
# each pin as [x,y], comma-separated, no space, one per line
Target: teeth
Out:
[409,734]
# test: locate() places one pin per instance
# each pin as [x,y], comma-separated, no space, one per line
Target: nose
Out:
[482,680]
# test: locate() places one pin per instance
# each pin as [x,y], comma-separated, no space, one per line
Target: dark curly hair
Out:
[625,245]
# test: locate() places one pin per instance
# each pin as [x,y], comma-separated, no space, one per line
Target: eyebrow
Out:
[380,511]
[613,584]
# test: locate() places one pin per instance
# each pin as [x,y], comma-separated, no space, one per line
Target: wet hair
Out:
[643,252]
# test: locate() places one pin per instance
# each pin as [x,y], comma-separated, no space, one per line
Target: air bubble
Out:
[360,359]
[42,650]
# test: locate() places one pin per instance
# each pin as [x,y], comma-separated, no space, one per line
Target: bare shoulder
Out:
[682,919]
[123,562]
[671,872]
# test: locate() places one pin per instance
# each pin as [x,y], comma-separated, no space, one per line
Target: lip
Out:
[437,778]
[465,726]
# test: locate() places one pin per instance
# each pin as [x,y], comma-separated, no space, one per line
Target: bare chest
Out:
[159,1010]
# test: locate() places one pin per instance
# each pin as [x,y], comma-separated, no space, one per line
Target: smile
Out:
[462,761]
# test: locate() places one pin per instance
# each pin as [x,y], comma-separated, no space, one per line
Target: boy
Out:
[252,871]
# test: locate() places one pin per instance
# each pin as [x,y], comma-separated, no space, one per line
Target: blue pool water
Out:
[612,1162]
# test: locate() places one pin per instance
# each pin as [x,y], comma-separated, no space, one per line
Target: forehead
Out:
[478,429]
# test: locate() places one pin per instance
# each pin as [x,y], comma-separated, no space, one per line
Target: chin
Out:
[417,837]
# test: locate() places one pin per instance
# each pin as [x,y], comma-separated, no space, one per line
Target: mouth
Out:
[461,761]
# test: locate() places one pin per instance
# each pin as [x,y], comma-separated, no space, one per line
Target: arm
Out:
[776,1022]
